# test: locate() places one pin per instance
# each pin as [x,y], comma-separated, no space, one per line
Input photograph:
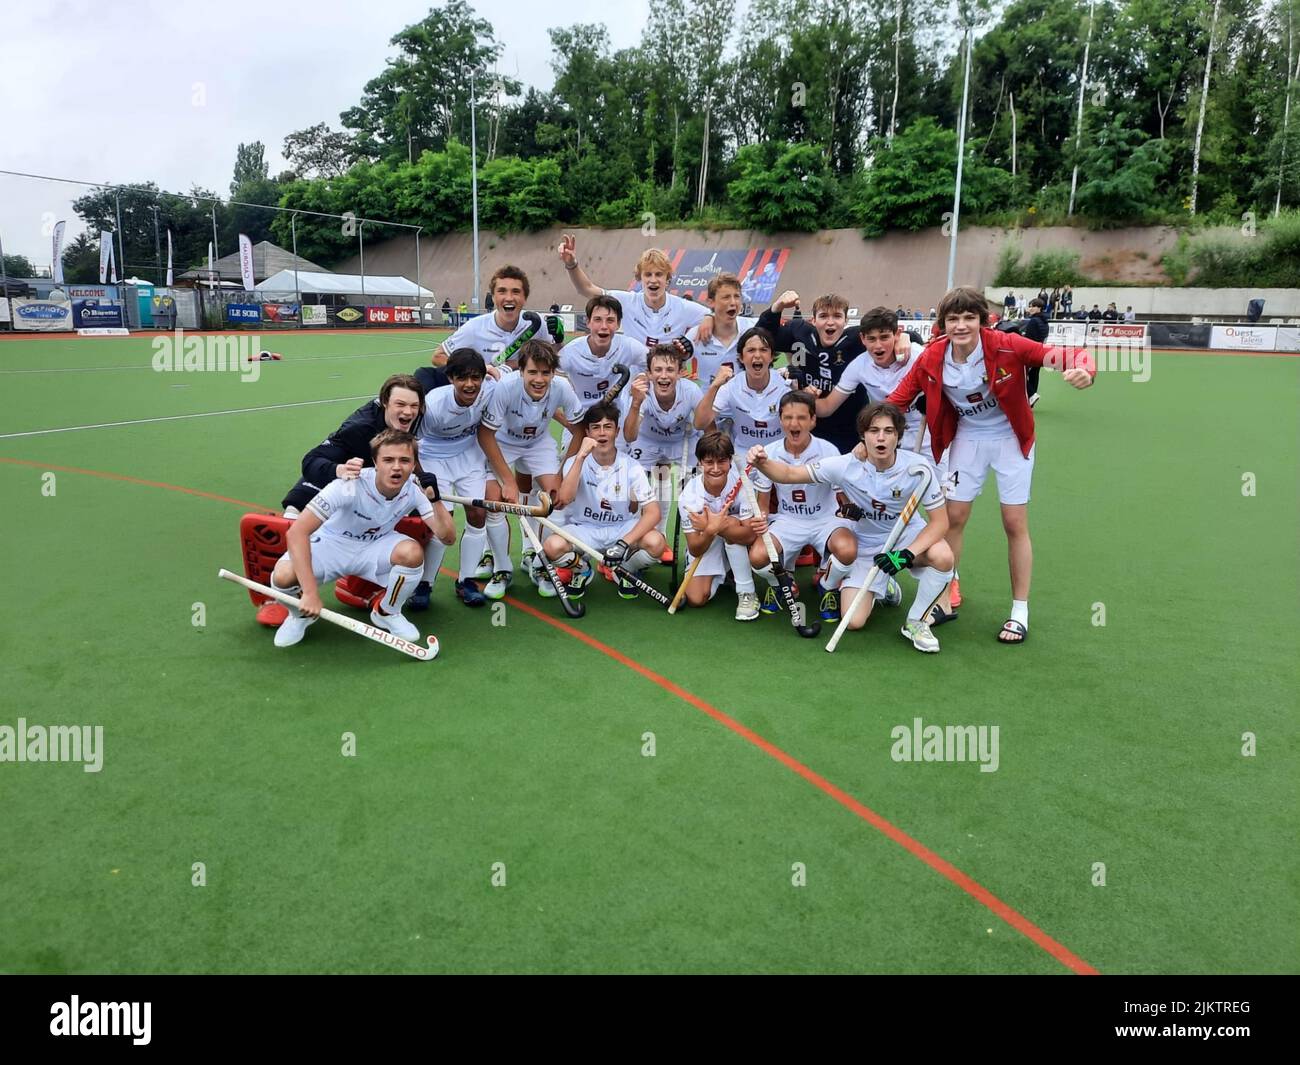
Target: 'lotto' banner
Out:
[279,312]
[1244,337]
[759,270]
[390,315]
[237,313]
[315,314]
[44,316]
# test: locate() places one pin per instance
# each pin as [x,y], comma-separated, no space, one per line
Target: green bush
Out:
[1045,269]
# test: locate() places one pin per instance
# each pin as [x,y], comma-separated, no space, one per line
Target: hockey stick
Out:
[641,586]
[624,376]
[796,609]
[370,632]
[677,510]
[572,607]
[541,509]
[534,321]
[913,501]
[695,562]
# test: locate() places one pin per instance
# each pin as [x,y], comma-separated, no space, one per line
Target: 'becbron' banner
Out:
[759,270]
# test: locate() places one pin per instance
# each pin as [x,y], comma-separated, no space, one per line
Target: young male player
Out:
[349,527]
[448,443]
[880,487]
[750,400]
[659,415]
[588,361]
[608,504]
[516,432]
[973,379]
[720,537]
[728,325]
[492,335]
[652,315]
[820,351]
[803,515]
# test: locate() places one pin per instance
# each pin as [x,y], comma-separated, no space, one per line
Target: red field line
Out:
[940,865]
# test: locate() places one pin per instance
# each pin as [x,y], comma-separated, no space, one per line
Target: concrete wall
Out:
[900,268]
[1217,303]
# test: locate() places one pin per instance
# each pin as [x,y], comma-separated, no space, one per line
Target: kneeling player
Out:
[803,516]
[608,504]
[717,533]
[881,486]
[349,528]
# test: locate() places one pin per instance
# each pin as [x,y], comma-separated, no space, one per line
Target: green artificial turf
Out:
[1119,744]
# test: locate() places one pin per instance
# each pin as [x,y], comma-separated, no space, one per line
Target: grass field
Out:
[523,742]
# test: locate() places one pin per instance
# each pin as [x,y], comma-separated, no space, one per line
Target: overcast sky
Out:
[103,91]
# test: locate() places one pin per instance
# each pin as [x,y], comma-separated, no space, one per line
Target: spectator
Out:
[1094,315]
[1067,301]
[1110,314]
[1042,295]
[461,310]
[446,310]
[899,312]
[1035,328]
[1080,315]
[1020,306]
[1054,303]
[1009,304]
[917,315]
[1130,316]
[555,308]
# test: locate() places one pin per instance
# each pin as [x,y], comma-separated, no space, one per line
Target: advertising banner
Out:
[1288,338]
[4,309]
[97,314]
[1179,334]
[44,316]
[1244,337]
[58,252]
[1066,333]
[315,314]
[1122,331]
[346,315]
[759,270]
[243,313]
[381,315]
[279,312]
[246,261]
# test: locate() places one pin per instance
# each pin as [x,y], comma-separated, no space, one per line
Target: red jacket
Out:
[1005,357]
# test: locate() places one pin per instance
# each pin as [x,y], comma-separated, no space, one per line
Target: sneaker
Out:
[496,587]
[771,605]
[830,605]
[921,636]
[544,586]
[576,580]
[396,624]
[292,630]
[485,568]
[956,593]
[1033,400]
[467,592]
[626,589]
[667,557]
[420,597]
[893,593]
[529,558]
[746,606]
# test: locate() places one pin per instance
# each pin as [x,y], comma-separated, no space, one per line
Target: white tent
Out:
[309,283]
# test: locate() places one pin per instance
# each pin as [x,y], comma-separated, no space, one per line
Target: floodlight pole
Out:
[4,282]
[293,228]
[157,247]
[961,153]
[419,306]
[473,154]
[361,244]
[121,248]
[216,249]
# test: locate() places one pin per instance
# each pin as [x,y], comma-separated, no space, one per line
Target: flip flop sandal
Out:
[1015,628]
[939,617]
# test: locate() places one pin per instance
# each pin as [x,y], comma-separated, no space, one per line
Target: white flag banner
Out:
[58,252]
[246,261]
[105,253]
[169,258]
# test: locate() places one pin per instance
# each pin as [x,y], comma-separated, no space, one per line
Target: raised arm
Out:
[569,256]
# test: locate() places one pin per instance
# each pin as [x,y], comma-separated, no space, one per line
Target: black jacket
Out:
[351,440]
[1035,327]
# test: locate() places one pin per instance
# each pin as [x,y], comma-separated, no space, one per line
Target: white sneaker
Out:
[529,559]
[292,630]
[496,587]
[746,606]
[485,567]
[921,636]
[396,624]
[893,593]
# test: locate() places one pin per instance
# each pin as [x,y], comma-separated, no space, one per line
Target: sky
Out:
[119,92]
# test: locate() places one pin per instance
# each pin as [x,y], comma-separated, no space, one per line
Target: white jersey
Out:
[881,494]
[660,426]
[519,418]
[803,502]
[673,319]
[355,510]
[712,353]
[753,414]
[696,498]
[880,381]
[447,428]
[592,377]
[966,386]
[487,338]
[606,493]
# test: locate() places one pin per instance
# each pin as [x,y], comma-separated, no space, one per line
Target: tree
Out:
[19,266]
[1121,171]
[250,165]
[81,260]
[318,151]
[781,187]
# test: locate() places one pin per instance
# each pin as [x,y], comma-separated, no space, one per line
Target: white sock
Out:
[766,573]
[294,590]
[498,540]
[401,583]
[1020,611]
[738,557]
[472,543]
[638,561]
[930,583]
[838,572]
[433,555]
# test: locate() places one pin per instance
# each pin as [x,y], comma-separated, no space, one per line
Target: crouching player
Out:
[880,486]
[608,504]
[717,533]
[802,516]
[349,527]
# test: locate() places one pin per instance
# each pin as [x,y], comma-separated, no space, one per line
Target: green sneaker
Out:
[771,604]
[485,568]
[830,605]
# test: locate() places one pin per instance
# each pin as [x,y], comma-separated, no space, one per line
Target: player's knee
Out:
[654,542]
[1016,522]
[958,515]
[555,546]
[283,575]
[844,547]
[758,554]
[939,556]
[407,553]
[475,516]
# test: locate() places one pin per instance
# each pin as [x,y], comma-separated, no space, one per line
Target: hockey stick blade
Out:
[572,607]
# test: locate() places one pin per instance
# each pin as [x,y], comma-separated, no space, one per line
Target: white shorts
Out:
[336,556]
[969,461]
[654,453]
[868,548]
[796,533]
[599,536]
[538,457]
[463,475]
